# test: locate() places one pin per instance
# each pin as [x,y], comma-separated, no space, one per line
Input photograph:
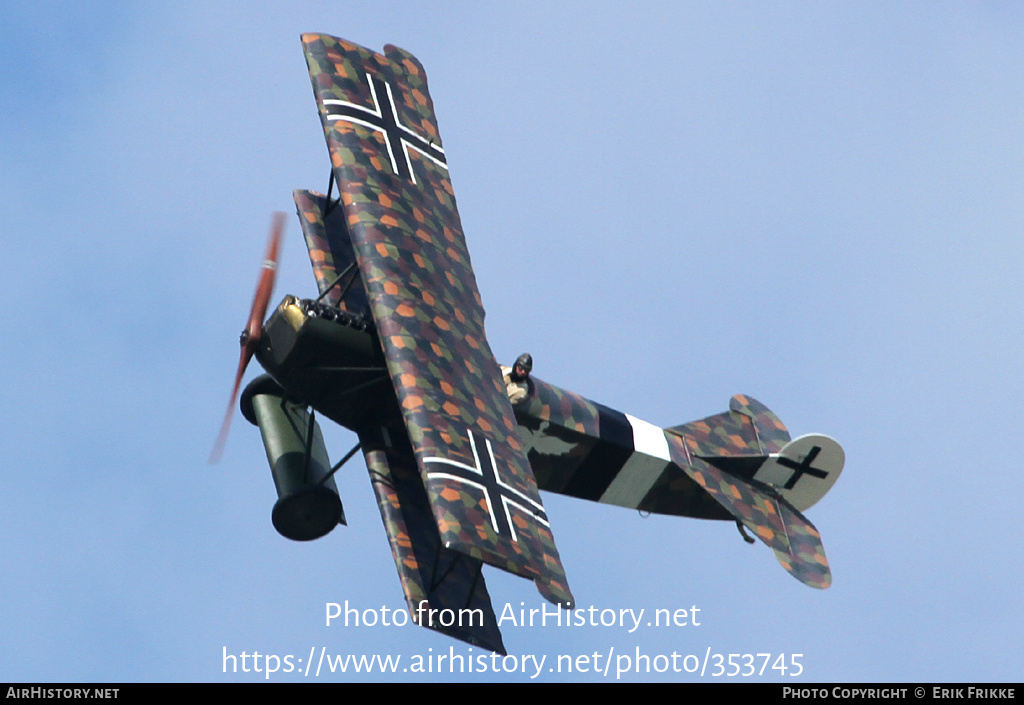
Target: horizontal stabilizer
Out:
[750,443]
[770,431]
[779,525]
[748,428]
[805,560]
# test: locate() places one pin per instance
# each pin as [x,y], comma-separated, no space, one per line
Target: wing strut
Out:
[330,187]
[476,579]
[334,283]
[436,581]
[309,441]
[348,456]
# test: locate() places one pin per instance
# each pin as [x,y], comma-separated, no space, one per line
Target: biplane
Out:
[394,349]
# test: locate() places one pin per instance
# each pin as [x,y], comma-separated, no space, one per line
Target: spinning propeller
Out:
[250,338]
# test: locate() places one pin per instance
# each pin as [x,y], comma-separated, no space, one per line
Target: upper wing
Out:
[401,216]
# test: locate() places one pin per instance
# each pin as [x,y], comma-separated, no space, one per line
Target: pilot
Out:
[516,377]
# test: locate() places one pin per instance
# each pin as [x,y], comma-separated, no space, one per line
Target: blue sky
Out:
[817,205]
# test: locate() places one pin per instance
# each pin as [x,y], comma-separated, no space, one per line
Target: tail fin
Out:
[804,470]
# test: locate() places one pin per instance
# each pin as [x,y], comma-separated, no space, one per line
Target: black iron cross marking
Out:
[485,478]
[383,118]
[803,467]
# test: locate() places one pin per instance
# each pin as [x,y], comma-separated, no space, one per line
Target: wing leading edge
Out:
[401,216]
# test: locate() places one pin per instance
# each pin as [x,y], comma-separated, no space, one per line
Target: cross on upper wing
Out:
[385,120]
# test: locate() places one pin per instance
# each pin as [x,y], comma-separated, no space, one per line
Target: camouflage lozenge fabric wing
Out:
[400,210]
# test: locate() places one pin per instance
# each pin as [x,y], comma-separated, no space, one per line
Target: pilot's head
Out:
[521,369]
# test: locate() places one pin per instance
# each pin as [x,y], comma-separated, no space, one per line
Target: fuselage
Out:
[331,360]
